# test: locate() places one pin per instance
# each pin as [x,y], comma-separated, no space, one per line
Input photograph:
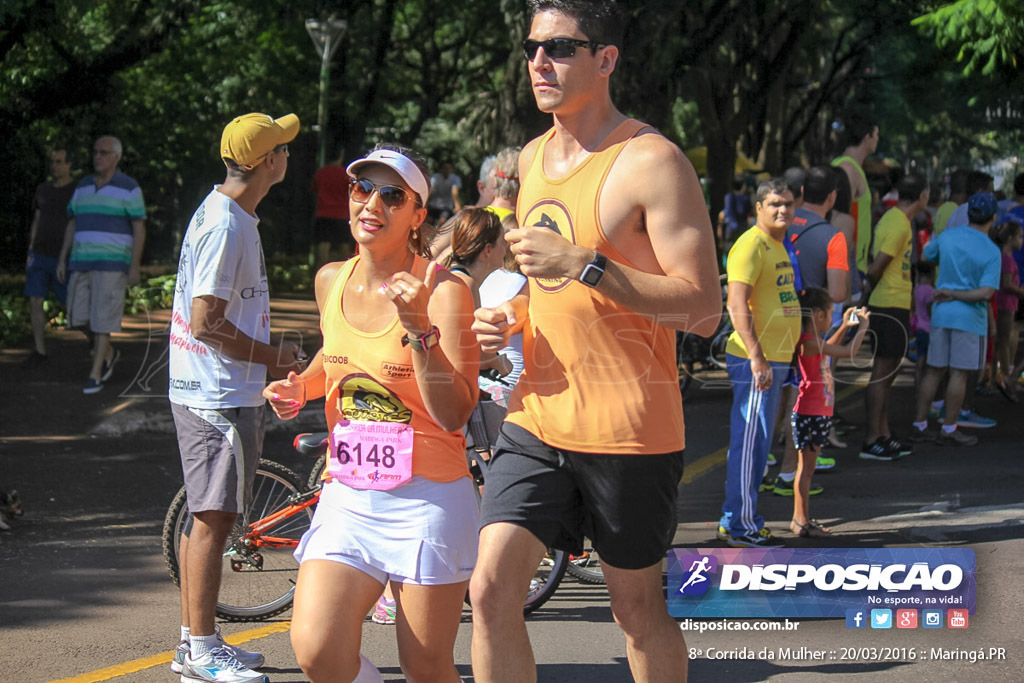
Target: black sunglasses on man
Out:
[558,48]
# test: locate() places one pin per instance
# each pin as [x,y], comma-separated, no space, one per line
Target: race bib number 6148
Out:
[371,455]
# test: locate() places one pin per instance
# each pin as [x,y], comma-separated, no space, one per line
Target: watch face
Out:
[591,275]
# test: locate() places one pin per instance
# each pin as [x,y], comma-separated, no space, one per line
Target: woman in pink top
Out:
[1009,236]
[812,414]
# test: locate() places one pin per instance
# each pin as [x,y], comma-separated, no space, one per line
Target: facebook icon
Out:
[856,618]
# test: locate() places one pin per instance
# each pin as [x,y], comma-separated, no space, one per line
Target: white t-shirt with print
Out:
[222,256]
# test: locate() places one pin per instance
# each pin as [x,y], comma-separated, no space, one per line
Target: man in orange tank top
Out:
[617,244]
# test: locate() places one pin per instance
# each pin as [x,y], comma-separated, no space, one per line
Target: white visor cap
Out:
[401,164]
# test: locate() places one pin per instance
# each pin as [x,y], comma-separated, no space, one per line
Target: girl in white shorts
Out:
[399,504]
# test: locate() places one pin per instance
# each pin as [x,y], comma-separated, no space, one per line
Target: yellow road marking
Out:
[165,657]
[849,391]
[704,465]
[709,462]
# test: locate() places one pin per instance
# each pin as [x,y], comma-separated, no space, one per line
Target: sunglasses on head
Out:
[392,196]
[557,48]
[279,148]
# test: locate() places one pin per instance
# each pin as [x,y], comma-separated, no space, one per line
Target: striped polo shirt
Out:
[103,223]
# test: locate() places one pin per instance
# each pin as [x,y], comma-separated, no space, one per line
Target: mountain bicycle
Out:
[258,572]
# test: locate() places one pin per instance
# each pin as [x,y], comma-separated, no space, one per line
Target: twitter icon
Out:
[881,618]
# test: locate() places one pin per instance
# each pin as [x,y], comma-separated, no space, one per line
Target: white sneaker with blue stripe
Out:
[219,666]
[251,660]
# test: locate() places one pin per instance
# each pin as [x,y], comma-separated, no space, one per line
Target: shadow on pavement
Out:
[754,671]
[95,487]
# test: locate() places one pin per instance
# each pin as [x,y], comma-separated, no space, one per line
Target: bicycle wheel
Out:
[544,583]
[685,377]
[258,573]
[316,472]
[718,344]
[586,567]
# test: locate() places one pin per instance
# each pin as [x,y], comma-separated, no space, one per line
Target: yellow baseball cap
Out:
[248,139]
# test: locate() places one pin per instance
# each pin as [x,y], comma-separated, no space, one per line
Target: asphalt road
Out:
[85,595]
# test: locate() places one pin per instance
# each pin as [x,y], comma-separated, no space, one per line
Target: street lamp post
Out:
[326,37]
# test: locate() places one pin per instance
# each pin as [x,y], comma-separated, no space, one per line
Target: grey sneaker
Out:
[183,650]
[955,438]
[219,666]
[251,660]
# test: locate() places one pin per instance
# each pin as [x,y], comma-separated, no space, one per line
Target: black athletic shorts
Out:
[625,504]
[890,328]
[333,230]
[810,430]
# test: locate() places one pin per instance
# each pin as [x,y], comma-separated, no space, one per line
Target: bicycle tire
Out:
[587,567]
[545,582]
[317,472]
[685,377]
[717,352]
[552,566]
[249,592]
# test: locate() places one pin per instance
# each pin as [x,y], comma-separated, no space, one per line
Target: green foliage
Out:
[987,33]
[685,125]
[767,78]
[15,324]
[15,318]
[290,279]
[154,294]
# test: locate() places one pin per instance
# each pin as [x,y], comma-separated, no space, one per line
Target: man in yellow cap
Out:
[221,350]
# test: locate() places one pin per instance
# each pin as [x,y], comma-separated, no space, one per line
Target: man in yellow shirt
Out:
[890,290]
[765,313]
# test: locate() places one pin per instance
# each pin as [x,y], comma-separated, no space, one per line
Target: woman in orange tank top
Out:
[398,370]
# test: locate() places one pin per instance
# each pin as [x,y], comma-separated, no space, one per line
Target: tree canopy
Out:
[987,33]
[768,79]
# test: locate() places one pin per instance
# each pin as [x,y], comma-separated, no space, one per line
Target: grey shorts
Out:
[220,451]
[96,299]
[948,348]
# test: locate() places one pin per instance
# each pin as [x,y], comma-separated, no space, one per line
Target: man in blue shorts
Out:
[49,221]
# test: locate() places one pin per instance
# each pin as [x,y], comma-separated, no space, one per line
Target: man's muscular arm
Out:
[664,189]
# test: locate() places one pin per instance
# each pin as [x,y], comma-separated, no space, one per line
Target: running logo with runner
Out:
[695,580]
[553,215]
